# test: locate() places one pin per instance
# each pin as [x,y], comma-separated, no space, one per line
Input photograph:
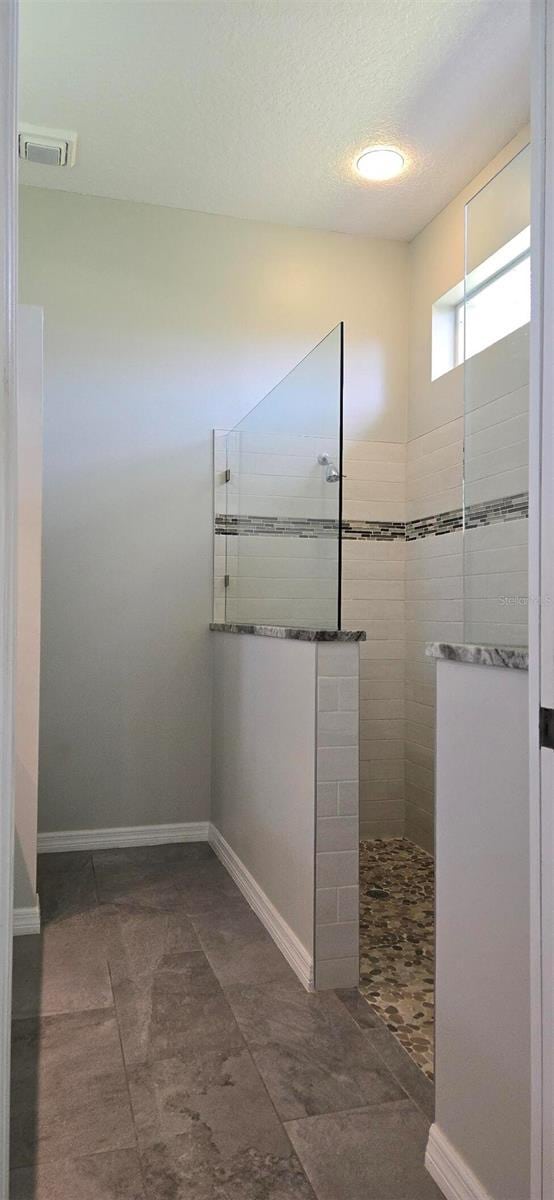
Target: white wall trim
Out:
[450,1171]
[132,835]
[8,518]
[26,920]
[192,831]
[288,943]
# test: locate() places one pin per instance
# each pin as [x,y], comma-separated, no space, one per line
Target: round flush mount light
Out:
[379,163]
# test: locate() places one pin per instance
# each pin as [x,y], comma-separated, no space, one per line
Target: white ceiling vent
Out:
[51,147]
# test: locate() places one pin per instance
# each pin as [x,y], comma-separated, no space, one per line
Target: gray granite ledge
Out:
[516,658]
[292,632]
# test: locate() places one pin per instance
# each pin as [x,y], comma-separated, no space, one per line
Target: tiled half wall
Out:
[403,562]
[337,818]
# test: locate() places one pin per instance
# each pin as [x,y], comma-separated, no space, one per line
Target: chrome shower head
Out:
[332,475]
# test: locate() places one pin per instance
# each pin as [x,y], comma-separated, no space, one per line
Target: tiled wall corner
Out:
[496,468]
[433,608]
[373,591]
[337,816]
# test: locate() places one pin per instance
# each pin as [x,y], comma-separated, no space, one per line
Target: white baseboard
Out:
[193,831]
[290,946]
[450,1171]
[26,920]
[132,835]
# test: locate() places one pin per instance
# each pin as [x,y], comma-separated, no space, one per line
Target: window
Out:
[496,302]
[493,310]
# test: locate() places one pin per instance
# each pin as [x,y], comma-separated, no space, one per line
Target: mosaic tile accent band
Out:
[508,508]
[490,512]
[253,526]
[380,531]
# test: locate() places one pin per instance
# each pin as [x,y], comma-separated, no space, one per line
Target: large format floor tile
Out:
[115,1175]
[238,947]
[190,1167]
[217,1090]
[211,891]
[359,1008]
[66,885]
[69,1091]
[181,1091]
[179,852]
[401,1065]
[139,939]
[172,1010]
[311,1054]
[369,1154]
[190,884]
[404,1069]
[150,884]
[64,969]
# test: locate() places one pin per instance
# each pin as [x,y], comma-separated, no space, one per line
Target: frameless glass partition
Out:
[492,325]
[278,498]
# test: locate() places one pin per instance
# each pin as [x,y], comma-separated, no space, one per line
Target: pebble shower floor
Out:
[397,941]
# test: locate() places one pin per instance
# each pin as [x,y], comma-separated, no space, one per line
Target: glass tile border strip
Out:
[490,512]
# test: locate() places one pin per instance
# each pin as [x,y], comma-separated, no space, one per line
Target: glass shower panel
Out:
[282,512]
[493,322]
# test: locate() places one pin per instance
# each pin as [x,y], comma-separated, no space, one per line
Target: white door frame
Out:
[541,607]
[541,538]
[8,501]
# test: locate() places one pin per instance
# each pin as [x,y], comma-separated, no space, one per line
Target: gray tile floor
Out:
[163,1050]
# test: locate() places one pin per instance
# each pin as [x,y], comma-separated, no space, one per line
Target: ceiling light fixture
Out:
[380,162]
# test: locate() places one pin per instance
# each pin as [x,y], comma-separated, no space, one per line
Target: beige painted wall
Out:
[160,325]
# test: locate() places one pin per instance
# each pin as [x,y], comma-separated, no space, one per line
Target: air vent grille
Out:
[48,147]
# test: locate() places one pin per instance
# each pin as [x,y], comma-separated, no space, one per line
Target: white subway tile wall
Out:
[433,573]
[496,466]
[337,817]
[496,584]
[434,612]
[404,593]
[278,579]
[373,598]
[434,471]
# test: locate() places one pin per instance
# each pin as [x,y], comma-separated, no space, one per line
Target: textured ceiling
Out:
[256,108]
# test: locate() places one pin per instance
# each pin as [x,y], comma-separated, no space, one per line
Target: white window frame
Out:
[459,310]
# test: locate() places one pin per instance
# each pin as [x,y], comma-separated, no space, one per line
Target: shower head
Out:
[332,475]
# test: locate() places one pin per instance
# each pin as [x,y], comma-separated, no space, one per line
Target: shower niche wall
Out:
[278,501]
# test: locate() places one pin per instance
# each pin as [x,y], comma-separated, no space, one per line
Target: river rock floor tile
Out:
[397,956]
